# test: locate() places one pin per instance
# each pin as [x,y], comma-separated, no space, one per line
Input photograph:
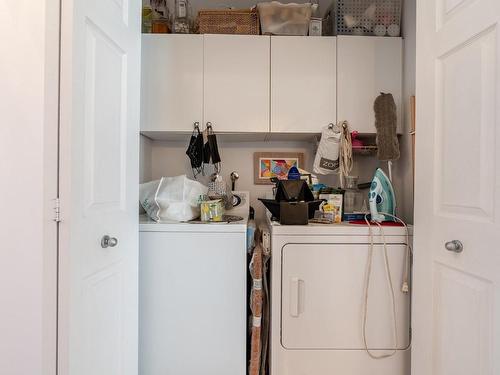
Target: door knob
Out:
[107,241]
[454,246]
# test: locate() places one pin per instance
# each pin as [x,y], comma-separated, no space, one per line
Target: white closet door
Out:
[236,82]
[366,67]
[456,317]
[172,82]
[98,283]
[303,83]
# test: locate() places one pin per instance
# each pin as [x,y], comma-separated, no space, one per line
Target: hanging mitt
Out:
[327,156]
[386,123]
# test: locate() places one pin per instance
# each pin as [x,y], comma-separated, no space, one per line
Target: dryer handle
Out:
[295,296]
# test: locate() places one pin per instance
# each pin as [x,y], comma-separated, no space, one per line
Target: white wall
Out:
[28,110]
[169,159]
[403,167]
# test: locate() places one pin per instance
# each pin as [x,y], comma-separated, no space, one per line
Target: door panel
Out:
[471,297]
[323,294]
[470,65]
[105,101]
[172,82]
[236,82]
[303,83]
[366,67]
[99,174]
[456,321]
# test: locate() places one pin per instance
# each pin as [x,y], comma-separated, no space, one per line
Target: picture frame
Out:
[275,164]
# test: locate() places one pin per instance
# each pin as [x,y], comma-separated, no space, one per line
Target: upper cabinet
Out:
[366,67]
[303,83]
[172,82]
[236,82]
[262,84]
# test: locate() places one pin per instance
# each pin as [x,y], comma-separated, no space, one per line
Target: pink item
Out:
[356,143]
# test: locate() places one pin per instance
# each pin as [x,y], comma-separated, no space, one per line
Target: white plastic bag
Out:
[172,198]
[327,159]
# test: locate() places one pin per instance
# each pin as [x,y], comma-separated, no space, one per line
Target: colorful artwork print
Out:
[270,167]
[275,164]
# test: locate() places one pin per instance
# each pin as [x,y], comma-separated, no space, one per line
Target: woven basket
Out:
[242,21]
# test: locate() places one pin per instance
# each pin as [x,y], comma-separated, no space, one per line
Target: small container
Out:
[212,211]
[181,22]
[315,27]
[353,197]
[147,19]
[160,26]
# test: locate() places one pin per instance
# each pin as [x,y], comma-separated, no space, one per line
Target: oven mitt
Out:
[327,156]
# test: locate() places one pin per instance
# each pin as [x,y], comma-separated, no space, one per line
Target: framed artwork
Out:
[275,164]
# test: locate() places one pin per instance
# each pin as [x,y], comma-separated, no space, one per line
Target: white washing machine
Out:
[192,297]
[317,301]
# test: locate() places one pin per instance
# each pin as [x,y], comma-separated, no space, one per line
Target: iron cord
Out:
[404,286]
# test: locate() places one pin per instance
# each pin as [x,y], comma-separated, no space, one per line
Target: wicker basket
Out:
[242,21]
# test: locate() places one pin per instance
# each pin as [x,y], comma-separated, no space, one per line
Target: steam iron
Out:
[381,197]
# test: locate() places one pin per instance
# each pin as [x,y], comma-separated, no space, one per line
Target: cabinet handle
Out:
[294,296]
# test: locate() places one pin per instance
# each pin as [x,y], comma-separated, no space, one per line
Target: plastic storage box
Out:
[285,19]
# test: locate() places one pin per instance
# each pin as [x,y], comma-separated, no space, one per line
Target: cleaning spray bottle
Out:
[251,227]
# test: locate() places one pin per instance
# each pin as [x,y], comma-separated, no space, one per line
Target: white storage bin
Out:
[285,19]
[369,17]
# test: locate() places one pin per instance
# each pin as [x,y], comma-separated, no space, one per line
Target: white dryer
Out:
[317,301]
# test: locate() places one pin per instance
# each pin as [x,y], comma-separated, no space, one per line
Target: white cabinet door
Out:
[366,67]
[172,82]
[236,82]
[303,83]
[456,314]
[99,174]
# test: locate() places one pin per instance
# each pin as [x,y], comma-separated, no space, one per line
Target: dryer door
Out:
[323,297]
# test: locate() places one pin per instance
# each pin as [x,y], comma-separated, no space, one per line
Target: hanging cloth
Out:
[195,150]
[346,161]
[211,149]
[327,155]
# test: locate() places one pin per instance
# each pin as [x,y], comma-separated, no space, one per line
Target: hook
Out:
[330,126]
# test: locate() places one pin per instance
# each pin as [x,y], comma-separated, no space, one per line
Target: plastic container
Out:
[285,19]
[369,17]
[353,198]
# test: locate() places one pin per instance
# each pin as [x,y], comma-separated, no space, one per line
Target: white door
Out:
[367,66]
[100,84]
[303,83]
[236,82]
[172,82]
[456,317]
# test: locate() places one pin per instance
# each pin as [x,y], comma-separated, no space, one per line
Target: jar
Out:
[353,197]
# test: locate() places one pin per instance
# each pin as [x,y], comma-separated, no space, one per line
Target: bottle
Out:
[181,22]
[251,227]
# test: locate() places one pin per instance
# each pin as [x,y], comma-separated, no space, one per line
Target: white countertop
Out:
[148,225]
[342,229]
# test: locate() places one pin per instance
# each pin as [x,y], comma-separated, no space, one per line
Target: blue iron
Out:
[381,197]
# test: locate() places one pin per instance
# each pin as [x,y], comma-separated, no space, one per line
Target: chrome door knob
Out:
[107,241]
[454,246]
